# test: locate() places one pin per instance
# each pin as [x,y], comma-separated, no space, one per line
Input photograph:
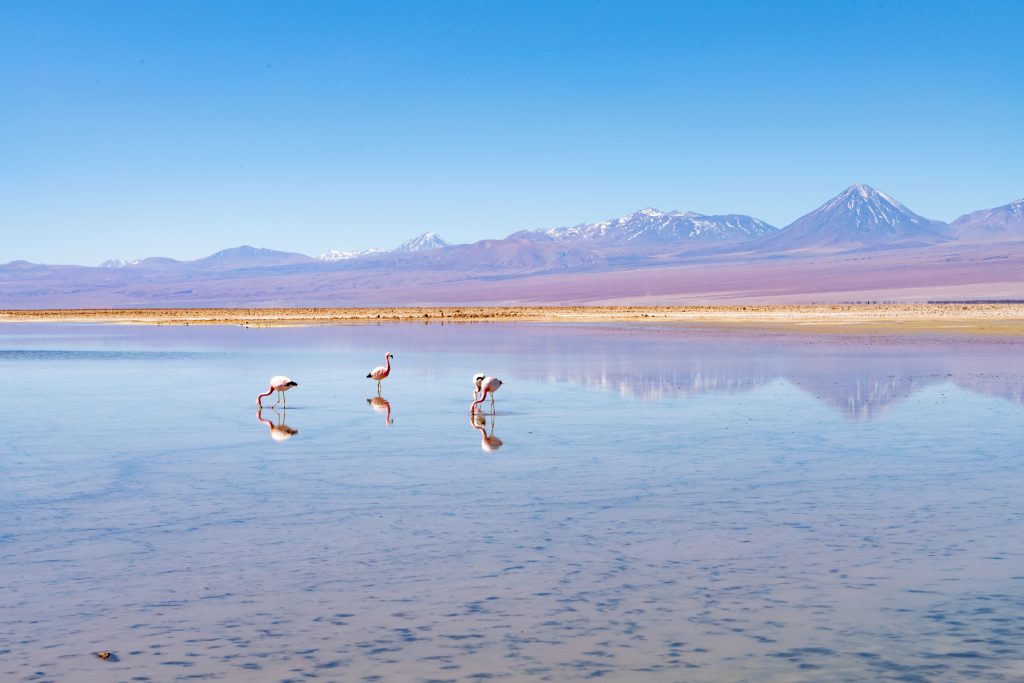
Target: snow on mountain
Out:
[651,225]
[118,263]
[336,255]
[427,240]
[423,242]
[990,225]
[858,216]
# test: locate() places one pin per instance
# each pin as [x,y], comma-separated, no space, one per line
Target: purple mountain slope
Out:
[486,258]
[991,225]
[859,216]
[224,260]
[250,257]
[654,226]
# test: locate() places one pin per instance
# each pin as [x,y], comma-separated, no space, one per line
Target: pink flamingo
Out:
[280,384]
[486,385]
[381,371]
[278,432]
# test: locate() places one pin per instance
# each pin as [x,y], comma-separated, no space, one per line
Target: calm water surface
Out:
[648,504]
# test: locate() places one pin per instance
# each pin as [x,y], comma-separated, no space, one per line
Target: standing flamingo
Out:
[280,384]
[487,385]
[381,371]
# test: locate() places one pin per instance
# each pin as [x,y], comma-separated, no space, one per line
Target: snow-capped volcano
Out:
[1000,223]
[652,225]
[427,240]
[117,263]
[859,215]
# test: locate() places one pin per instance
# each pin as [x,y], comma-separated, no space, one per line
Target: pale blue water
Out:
[653,504]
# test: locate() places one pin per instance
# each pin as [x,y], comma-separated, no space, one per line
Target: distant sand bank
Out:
[1002,319]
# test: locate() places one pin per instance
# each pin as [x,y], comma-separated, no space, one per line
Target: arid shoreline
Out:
[1000,319]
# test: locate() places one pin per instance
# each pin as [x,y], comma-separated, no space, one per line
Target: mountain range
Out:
[858,244]
[654,226]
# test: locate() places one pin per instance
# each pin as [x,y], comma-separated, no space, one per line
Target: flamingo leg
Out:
[285,399]
[278,399]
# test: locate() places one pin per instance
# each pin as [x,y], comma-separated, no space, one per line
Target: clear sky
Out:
[177,128]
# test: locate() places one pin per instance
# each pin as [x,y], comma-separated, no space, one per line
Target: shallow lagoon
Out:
[666,504]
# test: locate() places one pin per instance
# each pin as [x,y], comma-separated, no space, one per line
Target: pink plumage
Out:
[381,371]
[280,384]
[487,385]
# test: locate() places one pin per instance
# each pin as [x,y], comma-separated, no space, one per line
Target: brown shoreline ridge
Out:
[999,319]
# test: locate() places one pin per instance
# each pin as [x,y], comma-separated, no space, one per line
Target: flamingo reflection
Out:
[382,405]
[279,431]
[488,442]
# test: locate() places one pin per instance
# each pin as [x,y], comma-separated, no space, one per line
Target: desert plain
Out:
[954,318]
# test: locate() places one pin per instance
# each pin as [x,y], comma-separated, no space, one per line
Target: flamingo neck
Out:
[259,399]
[387,363]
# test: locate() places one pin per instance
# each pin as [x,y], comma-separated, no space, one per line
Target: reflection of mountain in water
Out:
[662,385]
[860,387]
[862,398]
[1002,385]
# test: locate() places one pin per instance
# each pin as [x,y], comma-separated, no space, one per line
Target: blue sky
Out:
[131,129]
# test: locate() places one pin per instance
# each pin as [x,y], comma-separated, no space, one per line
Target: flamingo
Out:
[478,379]
[381,371]
[280,384]
[487,385]
[382,405]
[279,431]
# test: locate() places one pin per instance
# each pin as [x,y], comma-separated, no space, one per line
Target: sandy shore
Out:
[1002,319]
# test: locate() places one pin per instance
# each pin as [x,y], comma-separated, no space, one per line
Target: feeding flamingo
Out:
[486,385]
[280,384]
[381,371]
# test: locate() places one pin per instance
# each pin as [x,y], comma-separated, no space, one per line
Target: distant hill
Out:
[249,257]
[1000,223]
